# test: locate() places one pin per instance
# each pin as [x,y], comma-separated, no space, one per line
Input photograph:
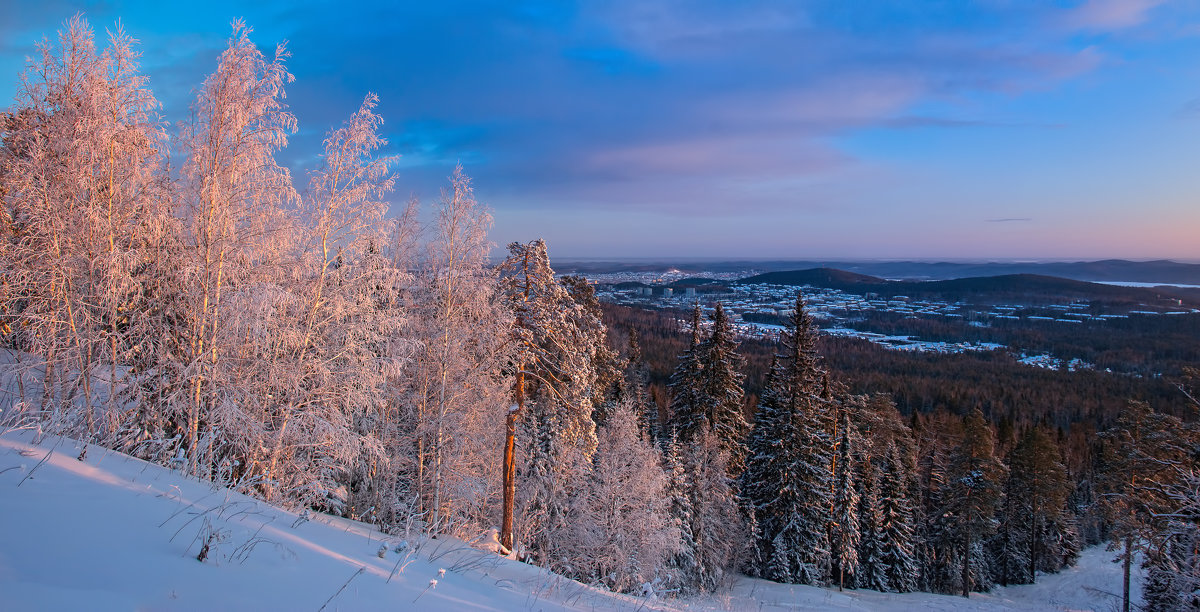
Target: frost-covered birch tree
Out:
[626,533]
[235,197]
[320,329]
[455,404]
[715,534]
[85,213]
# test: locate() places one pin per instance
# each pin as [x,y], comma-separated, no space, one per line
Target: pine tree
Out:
[718,404]
[881,453]
[844,533]
[937,551]
[897,538]
[556,340]
[1011,546]
[1035,504]
[872,572]
[1146,457]
[974,491]
[685,562]
[788,482]
[684,385]
[760,481]
[1173,563]
[1160,591]
[706,418]
[606,363]
[637,383]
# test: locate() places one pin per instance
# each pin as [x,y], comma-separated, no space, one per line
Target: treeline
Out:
[924,382]
[971,499]
[838,489]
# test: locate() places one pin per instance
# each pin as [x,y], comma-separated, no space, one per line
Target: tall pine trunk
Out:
[510,463]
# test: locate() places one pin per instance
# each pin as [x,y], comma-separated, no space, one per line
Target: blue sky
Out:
[934,130]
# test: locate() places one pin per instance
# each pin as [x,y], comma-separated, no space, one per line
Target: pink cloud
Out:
[1108,15]
[730,156]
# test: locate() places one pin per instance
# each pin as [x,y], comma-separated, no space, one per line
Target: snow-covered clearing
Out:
[117,533]
[1093,584]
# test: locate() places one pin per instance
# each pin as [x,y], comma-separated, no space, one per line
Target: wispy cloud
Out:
[675,107]
[918,121]
[1108,15]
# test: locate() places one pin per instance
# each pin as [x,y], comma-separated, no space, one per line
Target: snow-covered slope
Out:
[116,533]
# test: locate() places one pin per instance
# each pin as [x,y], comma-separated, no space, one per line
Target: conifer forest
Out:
[169,290]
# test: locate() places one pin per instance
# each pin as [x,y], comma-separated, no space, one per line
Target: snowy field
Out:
[116,533]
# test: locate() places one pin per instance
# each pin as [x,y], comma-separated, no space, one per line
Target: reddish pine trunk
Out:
[510,465]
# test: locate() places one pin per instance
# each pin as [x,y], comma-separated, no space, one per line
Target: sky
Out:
[936,129]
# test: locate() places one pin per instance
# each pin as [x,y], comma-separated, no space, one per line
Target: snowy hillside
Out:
[116,533]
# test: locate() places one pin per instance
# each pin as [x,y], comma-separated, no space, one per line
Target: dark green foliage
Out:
[787,482]
[974,486]
[1036,533]
[719,401]
[637,389]
[872,573]
[684,386]
[897,540]
[844,534]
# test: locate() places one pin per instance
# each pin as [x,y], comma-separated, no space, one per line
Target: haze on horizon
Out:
[1065,130]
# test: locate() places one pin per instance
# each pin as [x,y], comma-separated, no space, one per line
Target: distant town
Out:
[758,310]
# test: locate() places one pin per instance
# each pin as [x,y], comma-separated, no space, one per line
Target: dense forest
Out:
[1140,345]
[175,296]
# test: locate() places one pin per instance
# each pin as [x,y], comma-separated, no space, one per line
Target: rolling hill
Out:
[1025,287]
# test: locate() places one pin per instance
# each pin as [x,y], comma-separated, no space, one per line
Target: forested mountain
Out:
[1162,272]
[997,289]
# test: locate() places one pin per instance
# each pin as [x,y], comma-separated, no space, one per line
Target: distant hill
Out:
[701,284]
[830,278]
[1029,285]
[1001,287]
[1108,271]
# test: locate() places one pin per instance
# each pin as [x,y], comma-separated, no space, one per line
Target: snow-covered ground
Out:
[116,533]
[1093,584]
